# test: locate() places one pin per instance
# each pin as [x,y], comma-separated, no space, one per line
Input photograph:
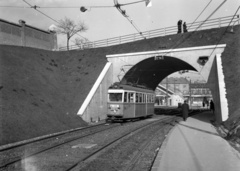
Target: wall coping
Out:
[26,25]
[167,51]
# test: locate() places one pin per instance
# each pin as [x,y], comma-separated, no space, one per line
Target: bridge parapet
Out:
[196,26]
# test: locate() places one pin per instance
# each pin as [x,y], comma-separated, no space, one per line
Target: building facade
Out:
[25,35]
[196,93]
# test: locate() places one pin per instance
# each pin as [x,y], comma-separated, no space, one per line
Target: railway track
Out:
[66,152]
[99,161]
[81,164]
[17,153]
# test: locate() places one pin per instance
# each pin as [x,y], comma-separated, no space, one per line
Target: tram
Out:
[127,102]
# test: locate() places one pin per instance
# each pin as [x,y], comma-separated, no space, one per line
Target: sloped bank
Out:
[41,91]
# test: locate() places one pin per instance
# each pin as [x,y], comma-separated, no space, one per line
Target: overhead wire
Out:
[130,3]
[35,7]
[13,7]
[123,12]
[200,14]
[80,7]
[223,34]
[117,5]
[8,6]
[180,41]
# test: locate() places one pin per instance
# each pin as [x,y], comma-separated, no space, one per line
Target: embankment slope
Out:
[41,91]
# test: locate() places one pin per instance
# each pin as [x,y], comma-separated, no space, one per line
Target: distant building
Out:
[196,93]
[25,35]
[200,93]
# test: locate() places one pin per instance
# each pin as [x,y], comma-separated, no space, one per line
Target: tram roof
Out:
[130,88]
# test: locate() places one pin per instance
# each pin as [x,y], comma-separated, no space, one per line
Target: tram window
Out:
[130,97]
[140,97]
[152,98]
[125,97]
[137,98]
[115,97]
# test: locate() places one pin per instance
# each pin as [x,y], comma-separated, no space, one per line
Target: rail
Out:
[208,24]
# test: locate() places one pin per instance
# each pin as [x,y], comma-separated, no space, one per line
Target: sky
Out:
[107,22]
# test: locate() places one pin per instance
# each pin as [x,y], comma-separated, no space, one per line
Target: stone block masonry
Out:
[25,35]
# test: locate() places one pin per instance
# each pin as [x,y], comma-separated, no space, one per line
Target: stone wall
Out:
[25,35]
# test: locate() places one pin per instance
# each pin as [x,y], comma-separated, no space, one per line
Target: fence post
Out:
[107,42]
[238,19]
[219,21]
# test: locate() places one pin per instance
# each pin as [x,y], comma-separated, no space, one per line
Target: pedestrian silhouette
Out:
[179,26]
[184,27]
[212,106]
[185,110]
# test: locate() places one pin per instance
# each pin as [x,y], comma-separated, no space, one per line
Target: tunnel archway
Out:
[151,71]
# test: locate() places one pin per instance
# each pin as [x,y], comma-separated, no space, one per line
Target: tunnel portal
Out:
[150,72]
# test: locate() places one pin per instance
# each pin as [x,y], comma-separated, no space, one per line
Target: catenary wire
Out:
[13,7]
[179,42]
[223,34]
[200,14]
[35,7]
[123,12]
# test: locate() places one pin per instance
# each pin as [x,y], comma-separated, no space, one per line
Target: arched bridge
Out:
[149,68]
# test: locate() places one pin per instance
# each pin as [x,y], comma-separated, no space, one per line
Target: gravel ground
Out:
[34,147]
[66,155]
[121,155]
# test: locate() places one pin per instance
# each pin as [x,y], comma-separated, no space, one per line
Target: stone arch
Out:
[151,71]
[121,63]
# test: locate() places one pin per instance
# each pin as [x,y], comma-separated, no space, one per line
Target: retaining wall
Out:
[26,35]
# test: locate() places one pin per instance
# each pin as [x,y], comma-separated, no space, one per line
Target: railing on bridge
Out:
[212,23]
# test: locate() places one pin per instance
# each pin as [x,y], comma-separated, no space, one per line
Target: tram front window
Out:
[115,97]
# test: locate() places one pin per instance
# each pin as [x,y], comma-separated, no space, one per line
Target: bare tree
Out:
[81,42]
[68,27]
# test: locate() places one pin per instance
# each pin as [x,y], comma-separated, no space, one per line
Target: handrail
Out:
[211,23]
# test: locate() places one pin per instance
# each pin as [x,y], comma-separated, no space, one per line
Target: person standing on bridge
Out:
[179,26]
[185,110]
[184,27]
